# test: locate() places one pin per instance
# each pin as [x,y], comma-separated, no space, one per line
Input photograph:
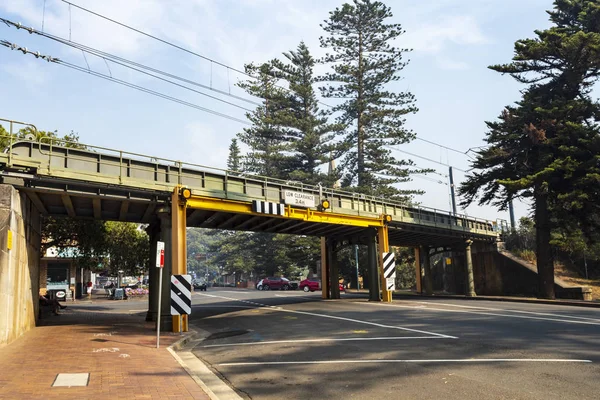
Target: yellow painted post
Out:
[418,269]
[324,269]
[384,247]
[179,248]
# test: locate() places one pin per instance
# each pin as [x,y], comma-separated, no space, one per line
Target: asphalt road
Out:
[293,345]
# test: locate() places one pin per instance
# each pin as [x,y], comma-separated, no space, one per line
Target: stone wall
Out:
[19,263]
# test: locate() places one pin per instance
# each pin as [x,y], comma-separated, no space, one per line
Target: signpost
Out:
[299,199]
[160,263]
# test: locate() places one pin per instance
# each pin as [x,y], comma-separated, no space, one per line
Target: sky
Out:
[452,41]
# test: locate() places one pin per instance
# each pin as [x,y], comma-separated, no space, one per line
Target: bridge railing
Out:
[87,162]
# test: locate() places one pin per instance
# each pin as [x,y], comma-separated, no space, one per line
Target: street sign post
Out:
[160,263]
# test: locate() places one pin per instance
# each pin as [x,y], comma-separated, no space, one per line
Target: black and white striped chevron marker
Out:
[267,207]
[389,265]
[181,294]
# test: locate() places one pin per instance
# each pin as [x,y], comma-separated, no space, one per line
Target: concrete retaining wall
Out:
[498,273]
[19,265]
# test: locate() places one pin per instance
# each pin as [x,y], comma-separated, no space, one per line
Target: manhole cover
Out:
[223,335]
[70,380]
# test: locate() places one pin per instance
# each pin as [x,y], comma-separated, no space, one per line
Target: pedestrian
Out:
[89,288]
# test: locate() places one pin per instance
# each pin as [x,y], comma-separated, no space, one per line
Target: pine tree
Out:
[546,147]
[234,160]
[311,134]
[364,64]
[269,144]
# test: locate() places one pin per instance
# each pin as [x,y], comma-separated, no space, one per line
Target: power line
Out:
[443,146]
[425,158]
[173,45]
[119,81]
[123,62]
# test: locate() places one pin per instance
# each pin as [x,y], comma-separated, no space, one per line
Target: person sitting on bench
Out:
[45,301]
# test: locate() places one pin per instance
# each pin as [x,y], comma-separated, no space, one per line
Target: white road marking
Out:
[509,310]
[484,313]
[324,340]
[209,306]
[467,360]
[277,308]
[296,295]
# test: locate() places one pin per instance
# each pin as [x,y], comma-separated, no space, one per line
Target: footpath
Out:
[107,339]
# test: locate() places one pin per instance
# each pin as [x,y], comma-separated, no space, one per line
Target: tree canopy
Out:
[364,63]
[547,146]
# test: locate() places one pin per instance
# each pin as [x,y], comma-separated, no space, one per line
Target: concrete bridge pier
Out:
[161,231]
[469,266]
[20,244]
[153,231]
[372,259]
[329,268]
[427,281]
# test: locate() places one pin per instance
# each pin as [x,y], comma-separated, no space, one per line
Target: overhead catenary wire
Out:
[168,43]
[119,81]
[425,158]
[132,65]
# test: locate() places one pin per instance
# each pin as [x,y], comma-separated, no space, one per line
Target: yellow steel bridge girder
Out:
[301,214]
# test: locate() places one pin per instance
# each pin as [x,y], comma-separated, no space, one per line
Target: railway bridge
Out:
[48,178]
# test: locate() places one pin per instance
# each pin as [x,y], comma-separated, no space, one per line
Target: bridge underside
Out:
[98,201]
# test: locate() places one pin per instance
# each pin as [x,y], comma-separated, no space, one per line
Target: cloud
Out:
[32,72]
[451,65]
[435,37]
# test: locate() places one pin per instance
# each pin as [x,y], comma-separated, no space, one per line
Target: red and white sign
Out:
[160,254]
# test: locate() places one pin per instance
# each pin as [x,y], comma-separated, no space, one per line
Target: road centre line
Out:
[483,313]
[508,310]
[466,360]
[323,340]
[277,308]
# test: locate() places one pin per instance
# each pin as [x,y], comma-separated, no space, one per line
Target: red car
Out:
[271,283]
[310,285]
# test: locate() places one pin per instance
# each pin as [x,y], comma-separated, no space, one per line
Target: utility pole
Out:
[452,194]
[511,212]
[356,258]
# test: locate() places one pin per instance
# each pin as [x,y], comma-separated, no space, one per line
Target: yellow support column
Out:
[384,247]
[179,248]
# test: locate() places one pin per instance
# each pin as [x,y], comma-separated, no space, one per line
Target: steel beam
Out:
[301,214]
[66,200]
[148,213]
[37,202]
[230,222]
[123,210]
[194,217]
[97,204]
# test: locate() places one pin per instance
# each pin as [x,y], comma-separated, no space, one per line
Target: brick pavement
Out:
[117,347]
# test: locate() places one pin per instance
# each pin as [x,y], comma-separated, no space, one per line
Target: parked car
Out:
[198,284]
[276,283]
[259,285]
[310,285]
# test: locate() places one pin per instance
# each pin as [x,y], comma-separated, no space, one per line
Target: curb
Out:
[573,303]
[216,389]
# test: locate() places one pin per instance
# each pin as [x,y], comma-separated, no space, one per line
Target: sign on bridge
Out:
[299,199]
